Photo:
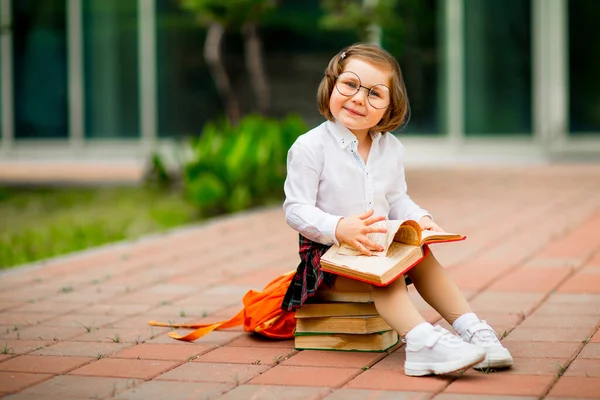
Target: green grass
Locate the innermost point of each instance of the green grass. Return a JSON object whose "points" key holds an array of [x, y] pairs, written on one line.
{"points": [[37, 223]]}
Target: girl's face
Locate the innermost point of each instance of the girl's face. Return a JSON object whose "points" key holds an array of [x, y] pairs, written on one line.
{"points": [[355, 112]]}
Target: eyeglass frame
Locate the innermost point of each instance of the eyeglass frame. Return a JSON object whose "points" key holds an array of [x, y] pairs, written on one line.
{"points": [[360, 86]]}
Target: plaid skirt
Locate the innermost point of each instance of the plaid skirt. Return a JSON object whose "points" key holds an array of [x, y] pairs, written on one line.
{"points": [[309, 275]]}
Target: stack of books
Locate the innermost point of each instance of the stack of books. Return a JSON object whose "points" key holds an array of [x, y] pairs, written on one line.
{"points": [[342, 321]]}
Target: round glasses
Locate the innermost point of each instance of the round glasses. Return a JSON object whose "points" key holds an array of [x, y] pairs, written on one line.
{"points": [[348, 84]]}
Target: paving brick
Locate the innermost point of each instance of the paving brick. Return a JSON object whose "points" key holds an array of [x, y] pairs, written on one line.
{"points": [[388, 379], [394, 361], [537, 366], [78, 387], [116, 335], [550, 335], [43, 364], [16, 346], [120, 288], [249, 340], [591, 350], [361, 394], [528, 349], [582, 283], [84, 322], [82, 349], [12, 381], [122, 368], [445, 396], [589, 309], [596, 337], [558, 321], [270, 392], [531, 280], [501, 384], [581, 367], [576, 388], [117, 309], [247, 355], [42, 333], [174, 390], [305, 376], [216, 338], [213, 372], [149, 351], [22, 319], [574, 298], [48, 307], [317, 358]]}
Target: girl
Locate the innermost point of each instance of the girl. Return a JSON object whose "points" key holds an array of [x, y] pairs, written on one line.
{"points": [[347, 174]]}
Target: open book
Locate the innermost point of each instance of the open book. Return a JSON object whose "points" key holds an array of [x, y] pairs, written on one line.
{"points": [[402, 249]]}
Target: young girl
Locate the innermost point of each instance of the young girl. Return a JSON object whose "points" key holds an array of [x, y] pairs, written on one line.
{"points": [[347, 174]]}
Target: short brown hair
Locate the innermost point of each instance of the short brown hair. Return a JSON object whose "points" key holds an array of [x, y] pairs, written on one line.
{"points": [[398, 109]]}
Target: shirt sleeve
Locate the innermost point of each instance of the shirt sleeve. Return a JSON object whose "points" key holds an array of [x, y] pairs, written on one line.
{"points": [[301, 187], [401, 205]]}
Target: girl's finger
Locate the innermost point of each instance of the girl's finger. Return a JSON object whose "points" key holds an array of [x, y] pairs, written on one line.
{"points": [[371, 246], [362, 248], [367, 214], [374, 229], [373, 220]]}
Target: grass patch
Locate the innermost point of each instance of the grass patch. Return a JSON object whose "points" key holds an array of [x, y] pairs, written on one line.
{"points": [[38, 223]]}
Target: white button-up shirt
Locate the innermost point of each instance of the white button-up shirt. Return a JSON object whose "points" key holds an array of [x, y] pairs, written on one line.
{"points": [[327, 180]]}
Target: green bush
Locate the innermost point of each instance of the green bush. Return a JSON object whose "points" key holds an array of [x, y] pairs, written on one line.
{"points": [[238, 167]]}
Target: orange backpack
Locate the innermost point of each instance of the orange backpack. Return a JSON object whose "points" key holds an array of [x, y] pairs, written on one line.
{"points": [[261, 314]]}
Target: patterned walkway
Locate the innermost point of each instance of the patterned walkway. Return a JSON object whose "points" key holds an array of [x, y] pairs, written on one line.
{"points": [[75, 327]]}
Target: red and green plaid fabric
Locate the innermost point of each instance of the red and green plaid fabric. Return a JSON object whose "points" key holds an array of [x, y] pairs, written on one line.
{"points": [[309, 275]]}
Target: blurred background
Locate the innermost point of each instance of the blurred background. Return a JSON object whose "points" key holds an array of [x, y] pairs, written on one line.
{"points": [[192, 104]]}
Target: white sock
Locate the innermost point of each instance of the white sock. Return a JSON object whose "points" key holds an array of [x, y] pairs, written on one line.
{"points": [[464, 322], [420, 331]]}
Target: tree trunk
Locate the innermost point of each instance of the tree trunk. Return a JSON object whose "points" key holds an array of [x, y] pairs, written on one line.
{"points": [[212, 55], [255, 66]]}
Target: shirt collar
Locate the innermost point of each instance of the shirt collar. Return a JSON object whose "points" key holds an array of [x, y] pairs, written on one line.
{"points": [[343, 135]]}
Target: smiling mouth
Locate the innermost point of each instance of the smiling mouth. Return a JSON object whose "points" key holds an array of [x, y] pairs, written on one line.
{"points": [[353, 112]]}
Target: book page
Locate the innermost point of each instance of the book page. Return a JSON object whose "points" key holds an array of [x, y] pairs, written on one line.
{"points": [[409, 233], [433, 236], [372, 265]]}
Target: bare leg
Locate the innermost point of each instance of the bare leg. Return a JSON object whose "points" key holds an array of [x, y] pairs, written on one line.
{"points": [[438, 289], [396, 307]]}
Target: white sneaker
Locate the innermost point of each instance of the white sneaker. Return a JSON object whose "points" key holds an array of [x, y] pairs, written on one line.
{"points": [[440, 352], [483, 335]]}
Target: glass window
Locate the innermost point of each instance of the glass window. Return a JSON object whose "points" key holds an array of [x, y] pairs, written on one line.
{"points": [[497, 67], [40, 69], [187, 97], [297, 50], [110, 46], [414, 43], [584, 66]]}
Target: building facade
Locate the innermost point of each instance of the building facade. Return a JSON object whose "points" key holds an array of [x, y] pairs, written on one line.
{"points": [[488, 79]]}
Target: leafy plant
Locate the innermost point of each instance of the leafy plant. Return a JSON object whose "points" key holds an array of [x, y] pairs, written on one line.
{"points": [[237, 167]]}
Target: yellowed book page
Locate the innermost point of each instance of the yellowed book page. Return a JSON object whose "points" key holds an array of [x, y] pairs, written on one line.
{"points": [[432, 236], [368, 264], [409, 233], [382, 239]]}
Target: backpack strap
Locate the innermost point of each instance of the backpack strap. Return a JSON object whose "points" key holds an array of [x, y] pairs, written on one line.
{"points": [[262, 313]]}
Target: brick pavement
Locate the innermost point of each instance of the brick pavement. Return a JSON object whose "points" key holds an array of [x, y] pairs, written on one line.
{"points": [[75, 327]]}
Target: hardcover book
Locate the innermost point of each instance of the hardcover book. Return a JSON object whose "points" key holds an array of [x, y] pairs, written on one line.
{"points": [[404, 245]]}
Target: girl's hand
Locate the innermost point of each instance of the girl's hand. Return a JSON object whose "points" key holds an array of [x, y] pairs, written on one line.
{"points": [[427, 224], [353, 231]]}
